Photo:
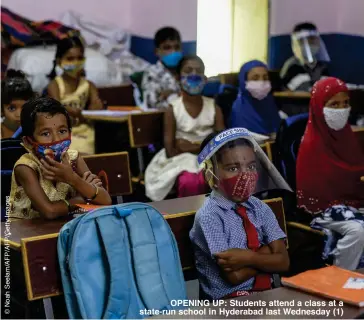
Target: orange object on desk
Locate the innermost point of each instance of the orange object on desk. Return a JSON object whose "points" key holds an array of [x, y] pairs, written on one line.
{"points": [[89, 207], [122, 108], [328, 282]]}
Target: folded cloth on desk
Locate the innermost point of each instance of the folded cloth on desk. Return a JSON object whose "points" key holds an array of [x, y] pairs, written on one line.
{"points": [[108, 113]]}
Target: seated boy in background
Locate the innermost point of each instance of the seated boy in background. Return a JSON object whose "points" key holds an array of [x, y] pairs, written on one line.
{"points": [[50, 179], [236, 237], [159, 84]]}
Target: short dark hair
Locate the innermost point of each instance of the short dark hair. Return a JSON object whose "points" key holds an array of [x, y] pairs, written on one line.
{"points": [[164, 34], [228, 145], [38, 105], [62, 47], [188, 58], [15, 87], [304, 26]]}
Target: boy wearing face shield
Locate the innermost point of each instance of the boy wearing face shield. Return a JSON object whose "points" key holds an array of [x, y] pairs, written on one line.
{"points": [[237, 241], [160, 86], [310, 60]]}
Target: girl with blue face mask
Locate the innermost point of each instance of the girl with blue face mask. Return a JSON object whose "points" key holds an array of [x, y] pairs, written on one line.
{"points": [[50, 179], [187, 122]]}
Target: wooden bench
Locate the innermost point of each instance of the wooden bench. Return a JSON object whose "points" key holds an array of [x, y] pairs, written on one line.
{"points": [[122, 95], [145, 129], [114, 171]]}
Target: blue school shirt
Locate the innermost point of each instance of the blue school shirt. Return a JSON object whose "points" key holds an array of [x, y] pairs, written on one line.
{"points": [[217, 228]]}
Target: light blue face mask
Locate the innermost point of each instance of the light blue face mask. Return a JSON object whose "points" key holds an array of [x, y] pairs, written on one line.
{"points": [[171, 60], [193, 84]]}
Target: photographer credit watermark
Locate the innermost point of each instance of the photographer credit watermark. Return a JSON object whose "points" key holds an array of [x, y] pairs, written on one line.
{"points": [[6, 260]]}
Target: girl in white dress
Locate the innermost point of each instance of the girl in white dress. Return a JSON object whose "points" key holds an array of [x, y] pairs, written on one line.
{"points": [[187, 122]]}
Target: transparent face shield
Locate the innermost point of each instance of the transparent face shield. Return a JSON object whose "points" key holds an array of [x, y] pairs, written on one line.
{"points": [[308, 47], [236, 166]]}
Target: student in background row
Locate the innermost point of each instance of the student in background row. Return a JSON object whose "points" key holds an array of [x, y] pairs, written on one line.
{"points": [[74, 91], [330, 166], [310, 60], [187, 122], [50, 179], [254, 108], [15, 91], [236, 237], [159, 84]]}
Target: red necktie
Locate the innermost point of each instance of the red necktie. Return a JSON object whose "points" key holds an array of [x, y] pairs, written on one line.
{"points": [[262, 281]]}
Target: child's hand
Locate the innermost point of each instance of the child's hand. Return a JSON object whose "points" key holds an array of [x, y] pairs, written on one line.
{"points": [[60, 172], [234, 259], [182, 144], [92, 178]]}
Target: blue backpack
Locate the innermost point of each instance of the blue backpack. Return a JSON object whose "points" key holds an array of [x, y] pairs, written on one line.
{"points": [[117, 261]]}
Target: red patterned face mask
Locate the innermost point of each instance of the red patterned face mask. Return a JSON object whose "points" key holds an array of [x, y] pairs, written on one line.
{"points": [[241, 186]]}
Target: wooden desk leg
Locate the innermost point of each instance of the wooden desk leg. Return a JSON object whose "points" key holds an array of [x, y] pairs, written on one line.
{"points": [[140, 160], [48, 308]]}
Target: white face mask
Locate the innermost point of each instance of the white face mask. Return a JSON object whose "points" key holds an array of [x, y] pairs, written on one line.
{"points": [[258, 89], [336, 119]]}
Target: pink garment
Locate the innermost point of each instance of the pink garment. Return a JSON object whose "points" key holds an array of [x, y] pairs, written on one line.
{"points": [[191, 184]]}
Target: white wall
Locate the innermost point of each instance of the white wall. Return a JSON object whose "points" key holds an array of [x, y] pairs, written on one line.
{"points": [[114, 11], [149, 15], [330, 16], [140, 17]]}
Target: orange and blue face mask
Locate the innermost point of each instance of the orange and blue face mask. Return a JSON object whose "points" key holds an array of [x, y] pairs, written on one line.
{"points": [[73, 68], [52, 150]]}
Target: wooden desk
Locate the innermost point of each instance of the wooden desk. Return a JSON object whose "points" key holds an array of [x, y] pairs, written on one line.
{"points": [[106, 119], [34, 242], [271, 296], [292, 94]]}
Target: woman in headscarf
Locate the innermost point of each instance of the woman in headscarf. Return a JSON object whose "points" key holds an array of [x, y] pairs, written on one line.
{"points": [[254, 108], [330, 170]]}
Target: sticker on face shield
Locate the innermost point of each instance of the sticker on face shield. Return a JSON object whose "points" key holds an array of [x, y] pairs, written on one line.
{"points": [[214, 145]]}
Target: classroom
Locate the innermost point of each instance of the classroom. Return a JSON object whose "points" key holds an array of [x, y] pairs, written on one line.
{"points": [[176, 159]]}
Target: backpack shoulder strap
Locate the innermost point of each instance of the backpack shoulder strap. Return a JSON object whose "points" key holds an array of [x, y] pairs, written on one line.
{"points": [[158, 271], [118, 258]]}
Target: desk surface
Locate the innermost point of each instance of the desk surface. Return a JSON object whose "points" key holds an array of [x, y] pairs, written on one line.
{"points": [[105, 119], [273, 296], [291, 94], [28, 228]]}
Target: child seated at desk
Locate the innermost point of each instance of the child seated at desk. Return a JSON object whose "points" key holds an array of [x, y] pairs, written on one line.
{"points": [[237, 241], [254, 108], [189, 120], [330, 166], [50, 179], [15, 91], [74, 91], [160, 85]]}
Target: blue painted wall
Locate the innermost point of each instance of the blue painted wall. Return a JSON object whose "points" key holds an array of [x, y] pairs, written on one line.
{"points": [[144, 48], [346, 53]]}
